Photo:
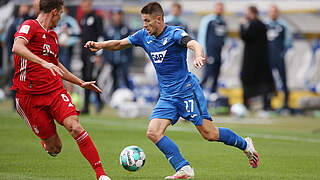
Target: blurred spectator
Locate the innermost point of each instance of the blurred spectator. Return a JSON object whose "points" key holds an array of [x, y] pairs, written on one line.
{"points": [[256, 75], [92, 30], [23, 14], [68, 32], [36, 8], [279, 38], [212, 35], [173, 19], [119, 60], [6, 10]]}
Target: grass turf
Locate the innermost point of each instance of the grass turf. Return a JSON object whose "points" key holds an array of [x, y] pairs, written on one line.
{"points": [[288, 147]]}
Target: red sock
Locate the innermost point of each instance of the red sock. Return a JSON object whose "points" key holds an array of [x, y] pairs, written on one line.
{"points": [[90, 152]]}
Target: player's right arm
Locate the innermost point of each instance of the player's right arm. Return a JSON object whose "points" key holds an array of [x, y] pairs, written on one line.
{"points": [[20, 48], [22, 38], [110, 45]]}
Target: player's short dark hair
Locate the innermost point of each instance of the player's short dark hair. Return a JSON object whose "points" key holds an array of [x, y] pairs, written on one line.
{"points": [[253, 9], [48, 5], [152, 8]]}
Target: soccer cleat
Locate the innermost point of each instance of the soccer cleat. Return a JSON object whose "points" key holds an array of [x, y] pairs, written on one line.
{"points": [[104, 177], [186, 172], [45, 148], [251, 153]]}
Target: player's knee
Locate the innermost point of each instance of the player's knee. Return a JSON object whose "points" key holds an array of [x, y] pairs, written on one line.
{"points": [[153, 135], [58, 149], [54, 149]]}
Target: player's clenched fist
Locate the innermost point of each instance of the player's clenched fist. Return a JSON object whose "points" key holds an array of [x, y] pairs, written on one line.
{"points": [[93, 46]]}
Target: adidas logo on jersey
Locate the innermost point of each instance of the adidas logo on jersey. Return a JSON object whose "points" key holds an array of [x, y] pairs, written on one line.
{"points": [[158, 56], [44, 36]]}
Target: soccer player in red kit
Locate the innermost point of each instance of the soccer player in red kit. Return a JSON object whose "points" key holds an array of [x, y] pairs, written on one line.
{"points": [[41, 96]]}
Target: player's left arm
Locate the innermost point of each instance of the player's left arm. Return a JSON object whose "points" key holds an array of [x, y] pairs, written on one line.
{"points": [[68, 76], [199, 59]]}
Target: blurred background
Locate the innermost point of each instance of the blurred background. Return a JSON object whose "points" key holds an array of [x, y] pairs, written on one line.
{"points": [[128, 79]]}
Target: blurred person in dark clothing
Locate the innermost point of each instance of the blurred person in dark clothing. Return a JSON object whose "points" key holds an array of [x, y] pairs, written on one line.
{"points": [[92, 30], [212, 35], [23, 14], [279, 38], [119, 60], [174, 18], [256, 76], [68, 32]]}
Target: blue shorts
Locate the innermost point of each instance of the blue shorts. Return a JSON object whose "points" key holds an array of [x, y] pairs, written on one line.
{"points": [[191, 106]]}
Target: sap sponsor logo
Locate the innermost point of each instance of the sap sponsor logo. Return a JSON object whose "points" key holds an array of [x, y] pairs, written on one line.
{"points": [[158, 56], [24, 29]]}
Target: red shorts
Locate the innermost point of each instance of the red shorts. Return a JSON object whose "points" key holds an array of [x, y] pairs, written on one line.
{"points": [[39, 111]]}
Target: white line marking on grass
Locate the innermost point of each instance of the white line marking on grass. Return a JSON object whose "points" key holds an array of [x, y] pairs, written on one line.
{"points": [[141, 125], [278, 137]]}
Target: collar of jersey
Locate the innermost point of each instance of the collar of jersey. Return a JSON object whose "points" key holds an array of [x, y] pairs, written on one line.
{"points": [[41, 25], [157, 37]]}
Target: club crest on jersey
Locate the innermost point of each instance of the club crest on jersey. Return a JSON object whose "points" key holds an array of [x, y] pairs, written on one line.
{"points": [[165, 41], [158, 56]]}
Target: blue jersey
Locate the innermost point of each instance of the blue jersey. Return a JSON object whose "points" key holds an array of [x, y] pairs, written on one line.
{"points": [[212, 33], [169, 59], [278, 36]]}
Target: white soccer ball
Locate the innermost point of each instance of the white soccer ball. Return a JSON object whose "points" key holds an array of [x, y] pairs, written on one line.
{"points": [[132, 158], [238, 110], [2, 95]]}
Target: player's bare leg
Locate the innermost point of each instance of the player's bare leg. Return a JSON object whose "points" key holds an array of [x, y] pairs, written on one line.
{"points": [[85, 144], [155, 133], [211, 133], [52, 145]]}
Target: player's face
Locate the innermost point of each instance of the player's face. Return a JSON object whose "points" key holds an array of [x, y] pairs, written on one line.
{"points": [[175, 11], [56, 17], [219, 9], [273, 12], [151, 23]]}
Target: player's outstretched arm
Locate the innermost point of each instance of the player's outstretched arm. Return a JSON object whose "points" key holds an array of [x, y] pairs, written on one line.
{"points": [[199, 59], [111, 45], [20, 48], [68, 76]]}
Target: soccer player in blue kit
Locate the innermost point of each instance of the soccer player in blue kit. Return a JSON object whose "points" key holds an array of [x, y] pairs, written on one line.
{"points": [[180, 93]]}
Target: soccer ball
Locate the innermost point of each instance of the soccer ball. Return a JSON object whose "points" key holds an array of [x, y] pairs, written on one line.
{"points": [[132, 158], [238, 110]]}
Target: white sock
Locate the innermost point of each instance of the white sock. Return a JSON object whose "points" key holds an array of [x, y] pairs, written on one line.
{"points": [[248, 146]]}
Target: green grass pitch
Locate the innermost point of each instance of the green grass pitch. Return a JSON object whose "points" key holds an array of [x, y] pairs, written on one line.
{"points": [[289, 148]]}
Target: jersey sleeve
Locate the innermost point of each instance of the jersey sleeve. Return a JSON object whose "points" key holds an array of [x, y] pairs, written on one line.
{"points": [[179, 34], [136, 38], [25, 31]]}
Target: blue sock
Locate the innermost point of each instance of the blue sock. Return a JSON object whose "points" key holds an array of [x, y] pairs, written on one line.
{"points": [[230, 138], [172, 153]]}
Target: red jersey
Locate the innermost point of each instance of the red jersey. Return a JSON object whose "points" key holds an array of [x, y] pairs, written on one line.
{"points": [[30, 77]]}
